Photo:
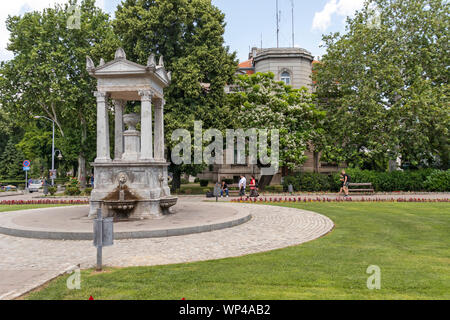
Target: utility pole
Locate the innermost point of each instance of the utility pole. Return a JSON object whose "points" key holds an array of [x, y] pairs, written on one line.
{"points": [[278, 27], [293, 32]]}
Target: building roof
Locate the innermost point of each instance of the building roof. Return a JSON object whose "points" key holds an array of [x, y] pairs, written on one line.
{"points": [[247, 67]]}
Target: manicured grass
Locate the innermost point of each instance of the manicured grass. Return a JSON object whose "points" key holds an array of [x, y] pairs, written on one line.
{"points": [[7, 208], [408, 241]]}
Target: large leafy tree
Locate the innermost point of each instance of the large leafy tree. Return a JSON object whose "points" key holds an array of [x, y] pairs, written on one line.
{"points": [[189, 34], [263, 103], [385, 85], [47, 76], [11, 161]]}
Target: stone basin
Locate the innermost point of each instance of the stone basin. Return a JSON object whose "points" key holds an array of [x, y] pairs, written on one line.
{"points": [[167, 202], [124, 205]]}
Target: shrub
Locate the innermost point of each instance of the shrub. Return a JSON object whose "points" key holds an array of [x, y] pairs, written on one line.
{"points": [[204, 183], [196, 180], [418, 180], [52, 190], [311, 182], [184, 181], [87, 191], [72, 191], [274, 189], [438, 181]]}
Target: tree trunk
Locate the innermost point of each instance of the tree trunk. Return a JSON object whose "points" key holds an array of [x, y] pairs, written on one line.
{"points": [[176, 181], [81, 158], [81, 171], [316, 159], [264, 181]]}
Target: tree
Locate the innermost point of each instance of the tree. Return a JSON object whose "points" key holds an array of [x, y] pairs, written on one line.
{"points": [[11, 161], [47, 75], [189, 34], [385, 85], [263, 103]]}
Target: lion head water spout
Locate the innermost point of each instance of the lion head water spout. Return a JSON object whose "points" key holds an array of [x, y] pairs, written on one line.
{"points": [[121, 202]]}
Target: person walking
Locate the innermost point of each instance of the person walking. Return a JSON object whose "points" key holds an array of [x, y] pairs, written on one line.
{"points": [[224, 189], [345, 179], [242, 185], [253, 187]]}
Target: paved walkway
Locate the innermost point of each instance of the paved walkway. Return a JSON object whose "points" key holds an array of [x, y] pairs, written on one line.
{"points": [[27, 263]]}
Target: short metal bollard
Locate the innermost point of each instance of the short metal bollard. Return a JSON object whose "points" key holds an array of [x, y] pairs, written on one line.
{"points": [[103, 235], [217, 191], [290, 189]]}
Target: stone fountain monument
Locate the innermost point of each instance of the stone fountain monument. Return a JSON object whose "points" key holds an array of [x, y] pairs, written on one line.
{"points": [[134, 184]]}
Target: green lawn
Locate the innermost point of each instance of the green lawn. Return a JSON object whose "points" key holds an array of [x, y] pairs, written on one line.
{"points": [[408, 241], [7, 208]]}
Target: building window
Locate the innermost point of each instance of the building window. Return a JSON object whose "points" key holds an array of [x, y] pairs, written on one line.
{"points": [[286, 78]]}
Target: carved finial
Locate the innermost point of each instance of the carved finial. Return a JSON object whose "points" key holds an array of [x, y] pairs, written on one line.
{"points": [[161, 61], [102, 62], [120, 54], [89, 64], [151, 62]]}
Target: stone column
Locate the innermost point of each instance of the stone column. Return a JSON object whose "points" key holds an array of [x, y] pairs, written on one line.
{"points": [[103, 154], [119, 128], [159, 129], [146, 125]]}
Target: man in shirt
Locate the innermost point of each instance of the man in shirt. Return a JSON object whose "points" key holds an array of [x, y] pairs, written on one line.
{"points": [[242, 185], [345, 183]]}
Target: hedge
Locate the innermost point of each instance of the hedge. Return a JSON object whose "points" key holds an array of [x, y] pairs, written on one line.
{"points": [[418, 180]]}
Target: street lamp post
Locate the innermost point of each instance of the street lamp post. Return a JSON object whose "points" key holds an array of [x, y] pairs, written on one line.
{"points": [[53, 145]]}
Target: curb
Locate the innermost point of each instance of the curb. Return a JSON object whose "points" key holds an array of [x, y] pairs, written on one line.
{"points": [[88, 236]]}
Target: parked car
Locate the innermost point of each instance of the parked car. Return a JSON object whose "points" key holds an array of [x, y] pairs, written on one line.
{"points": [[35, 185]]}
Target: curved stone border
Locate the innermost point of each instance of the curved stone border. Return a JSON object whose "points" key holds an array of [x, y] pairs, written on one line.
{"points": [[163, 233]]}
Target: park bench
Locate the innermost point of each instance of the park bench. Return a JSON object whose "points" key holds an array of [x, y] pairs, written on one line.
{"points": [[363, 187]]}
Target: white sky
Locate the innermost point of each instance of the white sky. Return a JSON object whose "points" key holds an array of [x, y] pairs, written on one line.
{"points": [[312, 19], [341, 8], [16, 7]]}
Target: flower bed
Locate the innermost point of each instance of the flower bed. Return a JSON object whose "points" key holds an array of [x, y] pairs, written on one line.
{"points": [[43, 201], [323, 199]]}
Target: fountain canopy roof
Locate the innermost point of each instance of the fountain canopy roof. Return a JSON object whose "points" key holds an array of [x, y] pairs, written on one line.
{"points": [[124, 79]]}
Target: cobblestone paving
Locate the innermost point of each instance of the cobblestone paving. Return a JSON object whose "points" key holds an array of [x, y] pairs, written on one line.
{"points": [[27, 263]]}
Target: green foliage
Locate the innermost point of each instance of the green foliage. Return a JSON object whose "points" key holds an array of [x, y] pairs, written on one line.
{"points": [[87, 191], [438, 181], [48, 77], [418, 180], [409, 241], [189, 34], [385, 87], [274, 189], [204, 183], [11, 161], [310, 182], [72, 191], [264, 103], [52, 190]]}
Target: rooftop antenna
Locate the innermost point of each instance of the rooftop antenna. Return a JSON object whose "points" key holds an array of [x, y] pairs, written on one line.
{"points": [[278, 26], [293, 32]]}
